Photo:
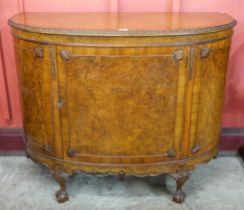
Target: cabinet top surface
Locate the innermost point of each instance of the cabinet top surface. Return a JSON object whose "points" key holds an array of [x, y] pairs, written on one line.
{"points": [[122, 24]]}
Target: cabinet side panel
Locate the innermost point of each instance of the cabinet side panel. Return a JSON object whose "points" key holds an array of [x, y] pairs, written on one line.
{"points": [[208, 95], [35, 82]]}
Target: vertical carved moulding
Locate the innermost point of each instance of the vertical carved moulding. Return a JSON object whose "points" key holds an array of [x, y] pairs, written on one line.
{"points": [[52, 52], [191, 63]]}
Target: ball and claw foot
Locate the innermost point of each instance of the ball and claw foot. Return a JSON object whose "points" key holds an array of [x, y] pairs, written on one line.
{"points": [[180, 178], [179, 196], [62, 196], [61, 178]]}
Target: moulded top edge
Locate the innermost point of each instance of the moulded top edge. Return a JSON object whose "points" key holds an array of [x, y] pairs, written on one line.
{"points": [[122, 24]]}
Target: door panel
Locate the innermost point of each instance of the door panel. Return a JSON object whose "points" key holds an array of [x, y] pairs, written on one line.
{"points": [[35, 78], [121, 105], [208, 95]]}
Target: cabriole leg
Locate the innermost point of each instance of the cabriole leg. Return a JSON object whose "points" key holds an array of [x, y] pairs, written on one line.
{"points": [[121, 176], [180, 178], [61, 194], [27, 154]]}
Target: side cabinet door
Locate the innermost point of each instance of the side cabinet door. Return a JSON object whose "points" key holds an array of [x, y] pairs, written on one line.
{"points": [[35, 83], [208, 95], [122, 105]]}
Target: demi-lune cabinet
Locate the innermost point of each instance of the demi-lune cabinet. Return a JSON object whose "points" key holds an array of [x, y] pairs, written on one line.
{"points": [[122, 93]]}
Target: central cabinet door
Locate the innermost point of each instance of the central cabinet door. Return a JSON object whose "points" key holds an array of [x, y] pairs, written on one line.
{"points": [[122, 105]]}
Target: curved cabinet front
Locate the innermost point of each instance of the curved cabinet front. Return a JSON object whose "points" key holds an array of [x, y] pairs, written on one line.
{"points": [[141, 105], [121, 106]]}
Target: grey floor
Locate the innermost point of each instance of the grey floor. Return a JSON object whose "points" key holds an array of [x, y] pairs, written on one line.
{"points": [[218, 185]]}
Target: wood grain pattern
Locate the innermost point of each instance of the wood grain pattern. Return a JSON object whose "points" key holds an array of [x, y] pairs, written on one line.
{"points": [[141, 105], [126, 125], [121, 23], [36, 96], [208, 95]]}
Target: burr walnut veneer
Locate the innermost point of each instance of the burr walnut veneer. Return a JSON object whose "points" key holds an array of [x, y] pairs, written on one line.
{"points": [[137, 94]]}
